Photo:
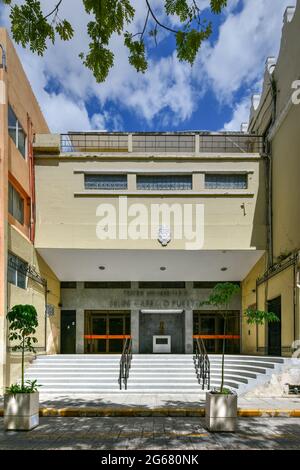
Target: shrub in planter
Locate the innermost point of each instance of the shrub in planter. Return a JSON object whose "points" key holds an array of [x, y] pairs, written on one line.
{"points": [[21, 400], [221, 404]]}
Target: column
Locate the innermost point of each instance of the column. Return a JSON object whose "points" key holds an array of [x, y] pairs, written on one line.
{"points": [[188, 331], [135, 330], [79, 331]]}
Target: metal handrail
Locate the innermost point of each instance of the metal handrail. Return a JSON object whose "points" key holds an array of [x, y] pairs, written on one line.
{"points": [[202, 363], [125, 363]]}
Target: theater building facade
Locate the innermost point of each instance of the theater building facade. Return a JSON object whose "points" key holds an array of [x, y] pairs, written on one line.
{"points": [[123, 235]]}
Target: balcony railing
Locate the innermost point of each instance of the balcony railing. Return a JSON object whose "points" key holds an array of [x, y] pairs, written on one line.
{"points": [[201, 142]]}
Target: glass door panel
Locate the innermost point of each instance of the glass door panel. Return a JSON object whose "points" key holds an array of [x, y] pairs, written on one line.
{"points": [[116, 327]]}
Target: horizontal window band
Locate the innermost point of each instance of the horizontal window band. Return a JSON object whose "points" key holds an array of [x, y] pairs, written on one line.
{"points": [[107, 336], [216, 336], [158, 172], [165, 193]]}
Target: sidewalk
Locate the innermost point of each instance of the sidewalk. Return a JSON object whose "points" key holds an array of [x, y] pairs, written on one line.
{"points": [[139, 405]]}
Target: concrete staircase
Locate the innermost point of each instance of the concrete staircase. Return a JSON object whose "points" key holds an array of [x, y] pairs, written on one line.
{"points": [[155, 373]]}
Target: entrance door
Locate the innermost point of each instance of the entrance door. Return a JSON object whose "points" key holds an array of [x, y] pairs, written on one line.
{"points": [[106, 324], [211, 323], [274, 328], [68, 332]]}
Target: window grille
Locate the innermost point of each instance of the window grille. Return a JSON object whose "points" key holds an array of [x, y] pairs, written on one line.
{"points": [[226, 181], [105, 181], [164, 182]]}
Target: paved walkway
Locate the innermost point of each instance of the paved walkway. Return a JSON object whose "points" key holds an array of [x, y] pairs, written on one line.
{"points": [[128, 404], [165, 433]]}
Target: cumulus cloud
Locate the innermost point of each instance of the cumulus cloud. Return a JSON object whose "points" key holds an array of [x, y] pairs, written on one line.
{"points": [[170, 91]]}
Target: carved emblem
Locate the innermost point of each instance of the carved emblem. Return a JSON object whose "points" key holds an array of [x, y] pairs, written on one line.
{"points": [[164, 235]]}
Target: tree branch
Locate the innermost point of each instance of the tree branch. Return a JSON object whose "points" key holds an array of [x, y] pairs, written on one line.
{"points": [[157, 21], [55, 9]]}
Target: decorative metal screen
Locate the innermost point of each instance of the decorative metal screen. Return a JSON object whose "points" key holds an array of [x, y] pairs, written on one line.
{"points": [[226, 181], [105, 181], [164, 182]]}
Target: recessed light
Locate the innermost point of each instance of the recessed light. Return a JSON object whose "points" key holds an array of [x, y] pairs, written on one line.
{"points": [[162, 268], [102, 268], [224, 268]]}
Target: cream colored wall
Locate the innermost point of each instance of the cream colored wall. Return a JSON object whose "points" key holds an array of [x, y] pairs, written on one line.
{"points": [[286, 187], [66, 213], [279, 285], [249, 299], [48, 330]]}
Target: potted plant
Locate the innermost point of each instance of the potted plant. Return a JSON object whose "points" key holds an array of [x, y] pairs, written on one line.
{"points": [[221, 404], [21, 400]]}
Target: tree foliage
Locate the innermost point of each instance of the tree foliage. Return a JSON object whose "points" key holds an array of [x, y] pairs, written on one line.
{"points": [[23, 321], [32, 27], [220, 298]]}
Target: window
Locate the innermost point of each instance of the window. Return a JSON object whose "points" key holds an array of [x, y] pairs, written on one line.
{"points": [[107, 285], [105, 181], [209, 285], [17, 271], [164, 182], [226, 181], [16, 132], [15, 204], [68, 285], [161, 285]]}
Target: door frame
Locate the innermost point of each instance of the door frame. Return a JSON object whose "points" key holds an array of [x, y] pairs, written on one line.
{"points": [[90, 337], [65, 311], [280, 325]]}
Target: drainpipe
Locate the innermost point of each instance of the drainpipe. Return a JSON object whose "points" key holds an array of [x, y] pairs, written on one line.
{"points": [[268, 146], [31, 178]]}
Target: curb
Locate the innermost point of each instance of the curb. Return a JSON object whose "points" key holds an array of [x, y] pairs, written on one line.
{"points": [[157, 412]]}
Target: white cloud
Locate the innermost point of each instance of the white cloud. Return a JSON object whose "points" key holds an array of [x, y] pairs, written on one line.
{"points": [[240, 115], [245, 40], [170, 91]]}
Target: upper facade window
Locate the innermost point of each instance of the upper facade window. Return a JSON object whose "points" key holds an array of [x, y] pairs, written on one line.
{"points": [[105, 181], [164, 182], [226, 181], [16, 132], [16, 271], [15, 204]]}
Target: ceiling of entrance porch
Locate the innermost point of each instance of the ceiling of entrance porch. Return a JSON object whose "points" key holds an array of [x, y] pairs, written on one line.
{"points": [[137, 265]]}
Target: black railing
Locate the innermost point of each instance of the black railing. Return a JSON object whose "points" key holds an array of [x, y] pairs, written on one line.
{"points": [[202, 364], [125, 363], [160, 142]]}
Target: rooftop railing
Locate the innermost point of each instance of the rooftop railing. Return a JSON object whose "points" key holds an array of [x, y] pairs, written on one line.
{"points": [[201, 142]]}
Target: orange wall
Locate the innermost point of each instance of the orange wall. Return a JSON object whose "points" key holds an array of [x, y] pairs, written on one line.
{"points": [[16, 90]]}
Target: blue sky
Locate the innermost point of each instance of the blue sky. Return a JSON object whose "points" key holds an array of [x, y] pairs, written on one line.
{"points": [[214, 94]]}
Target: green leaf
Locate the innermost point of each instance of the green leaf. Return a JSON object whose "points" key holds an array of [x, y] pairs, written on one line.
{"points": [[137, 53], [188, 43], [65, 30], [218, 5], [259, 317]]}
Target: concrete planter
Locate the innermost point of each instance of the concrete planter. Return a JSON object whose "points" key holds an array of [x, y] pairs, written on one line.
{"points": [[21, 411], [221, 412]]}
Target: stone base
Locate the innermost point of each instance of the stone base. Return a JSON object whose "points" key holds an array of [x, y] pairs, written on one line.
{"points": [[21, 423], [221, 424], [21, 411], [221, 412]]}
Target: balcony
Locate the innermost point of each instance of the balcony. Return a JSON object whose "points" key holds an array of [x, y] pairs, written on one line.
{"points": [[151, 142]]}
